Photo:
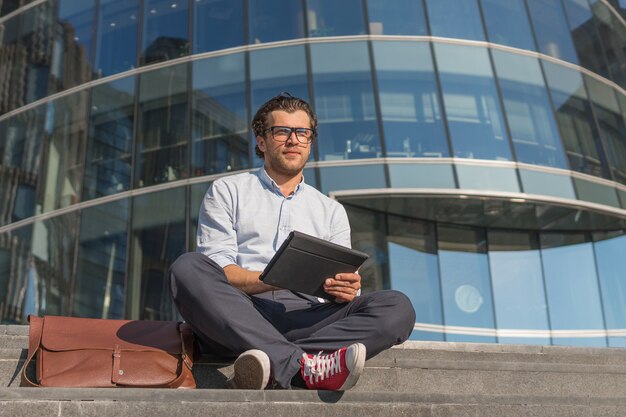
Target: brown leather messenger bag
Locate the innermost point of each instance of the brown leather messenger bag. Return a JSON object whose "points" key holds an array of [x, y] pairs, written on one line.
{"points": [[78, 352]]}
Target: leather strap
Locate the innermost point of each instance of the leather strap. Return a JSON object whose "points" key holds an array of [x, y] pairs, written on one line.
{"points": [[34, 342], [116, 372]]}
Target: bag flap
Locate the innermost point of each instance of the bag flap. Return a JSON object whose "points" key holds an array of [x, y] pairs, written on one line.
{"points": [[73, 333]]}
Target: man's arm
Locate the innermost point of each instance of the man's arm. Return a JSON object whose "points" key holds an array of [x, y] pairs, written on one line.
{"points": [[246, 281]]}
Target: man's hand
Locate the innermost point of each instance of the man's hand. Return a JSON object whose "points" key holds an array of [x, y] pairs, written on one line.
{"points": [[343, 287], [246, 281]]}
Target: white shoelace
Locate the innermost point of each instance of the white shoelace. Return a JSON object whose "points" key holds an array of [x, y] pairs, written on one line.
{"points": [[321, 366]]}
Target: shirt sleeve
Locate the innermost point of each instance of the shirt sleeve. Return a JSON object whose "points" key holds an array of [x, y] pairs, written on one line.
{"points": [[340, 227], [216, 237]]}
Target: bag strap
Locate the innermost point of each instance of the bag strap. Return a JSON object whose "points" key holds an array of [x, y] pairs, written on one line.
{"points": [[34, 341]]}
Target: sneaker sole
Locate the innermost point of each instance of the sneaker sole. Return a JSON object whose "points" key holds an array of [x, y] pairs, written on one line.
{"points": [[357, 370], [252, 371]]}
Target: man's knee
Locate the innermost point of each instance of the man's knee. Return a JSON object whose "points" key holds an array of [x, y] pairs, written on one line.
{"points": [[399, 314], [189, 268]]}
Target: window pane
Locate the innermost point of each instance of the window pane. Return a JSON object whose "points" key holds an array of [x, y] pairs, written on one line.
{"points": [[455, 19], [165, 30], [471, 102], [613, 36], [352, 177], [116, 47], [474, 177], [219, 115], [409, 101], [517, 279], [421, 176], [413, 270], [537, 182], [507, 23], [611, 124], [109, 148], [158, 238], [275, 20], [528, 110], [400, 17], [574, 117], [71, 61], [217, 24], [63, 161], [465, 281], [20, 152], [101, 261], [571, 286], [551, 29], [596, 193], [344, 101], [16, 278], [162, 136], [585, 35], [335, 18]]}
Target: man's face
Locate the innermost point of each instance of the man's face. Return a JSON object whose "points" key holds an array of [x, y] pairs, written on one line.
{"points": [[285, 158]]}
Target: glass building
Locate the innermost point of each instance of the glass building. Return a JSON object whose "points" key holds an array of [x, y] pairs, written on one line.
{"points": [[479, 147]]}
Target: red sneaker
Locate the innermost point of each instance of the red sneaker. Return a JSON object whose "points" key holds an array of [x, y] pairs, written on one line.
{"points": [[337, 371]]}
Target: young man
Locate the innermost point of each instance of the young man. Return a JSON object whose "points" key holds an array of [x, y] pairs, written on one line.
{"points": [[293, 338]]}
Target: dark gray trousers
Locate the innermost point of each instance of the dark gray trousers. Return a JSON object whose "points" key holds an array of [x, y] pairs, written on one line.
{"points": [[282, 324]]}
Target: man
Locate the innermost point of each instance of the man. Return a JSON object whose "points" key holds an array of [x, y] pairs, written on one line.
{"points": [[295, 339]]}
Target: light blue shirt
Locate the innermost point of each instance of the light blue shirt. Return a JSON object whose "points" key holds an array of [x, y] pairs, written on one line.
{"points": [[244, 218]]}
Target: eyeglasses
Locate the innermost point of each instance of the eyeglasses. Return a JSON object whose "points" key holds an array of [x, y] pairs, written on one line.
{"points": [[283, 133]]}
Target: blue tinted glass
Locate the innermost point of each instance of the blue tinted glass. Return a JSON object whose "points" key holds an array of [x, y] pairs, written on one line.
{"points": [[577, 127], [109, 148], [344, 101], [16, 267], [551, 29], [352, 178], [517, 280], [571, 287], [72, 57], [455, 19], [421, 176], [101, 261], [219, 127], [529, 113], [116, 49], [471, 102], [585, 35], [465, 281], [596, 193], [507, 23], [611, 264], [217, 24], [165, 30], [400, 17], [335, 18], [275, 20], [476, 177], [537, 182], [162, 137], [613, 37], [409, 101]]}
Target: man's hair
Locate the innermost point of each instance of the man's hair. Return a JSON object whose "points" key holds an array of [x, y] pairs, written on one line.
{"points": [[285, 102]]}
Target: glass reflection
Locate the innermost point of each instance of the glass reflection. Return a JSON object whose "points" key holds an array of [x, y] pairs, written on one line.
{"points": [[574, 117], [275, 20], [344, 101], [507, 23], [116, 49], [409, 101], [551, 29], [66, 127], [517, 281], [165, 30], [333, 18], [15, 274], [217, 24], [13, 95], [400, 17], [471, 102], [219, 130], [101, 261], [571, 286], [162, 137], [157, 239], [109, 148], [528, 110], [613, 35], [455, 19]]}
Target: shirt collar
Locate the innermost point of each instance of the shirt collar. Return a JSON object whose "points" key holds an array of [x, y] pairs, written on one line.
{"points": [[271, 184]]}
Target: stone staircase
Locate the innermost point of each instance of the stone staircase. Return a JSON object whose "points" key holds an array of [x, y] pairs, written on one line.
{"points": [[425, 379]]}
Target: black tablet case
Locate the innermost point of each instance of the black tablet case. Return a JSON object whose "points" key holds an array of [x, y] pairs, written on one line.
{"points": [[303, 262]]}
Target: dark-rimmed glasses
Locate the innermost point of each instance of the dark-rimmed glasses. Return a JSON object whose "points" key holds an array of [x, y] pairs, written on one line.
{"points": [[283, 133]]}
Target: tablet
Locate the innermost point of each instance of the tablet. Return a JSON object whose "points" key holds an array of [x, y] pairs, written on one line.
{"points": [[303, 262]]}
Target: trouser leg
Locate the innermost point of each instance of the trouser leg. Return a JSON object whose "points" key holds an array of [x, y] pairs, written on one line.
{"points": [[224, 316]]}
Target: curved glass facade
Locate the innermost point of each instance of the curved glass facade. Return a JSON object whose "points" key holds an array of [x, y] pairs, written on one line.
{"points": [[499, 124]]}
